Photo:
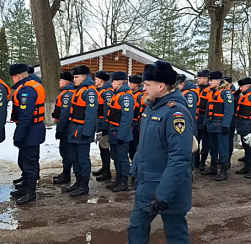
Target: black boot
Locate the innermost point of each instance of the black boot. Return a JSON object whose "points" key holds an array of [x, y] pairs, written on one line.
{"points": [[114, 183], [75, 185], [19, 193], [248, 176], [29, 196], [82, 189], [20, 185], [202, 166], [223, 174], [98, 173], [106, 175], [63, 179], [18, 180], [58, 176], [242, 171], [122, 185], [210, 171]]}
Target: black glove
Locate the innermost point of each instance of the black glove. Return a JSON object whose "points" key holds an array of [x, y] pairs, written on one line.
{"points": [[104, 132], [238, 92], [85, 137], [58, 135], [120, 142], [225, 130], [17, 144], [158, 206]]}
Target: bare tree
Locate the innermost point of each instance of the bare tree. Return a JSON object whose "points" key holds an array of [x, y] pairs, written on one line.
{"points": [[42, 15]]}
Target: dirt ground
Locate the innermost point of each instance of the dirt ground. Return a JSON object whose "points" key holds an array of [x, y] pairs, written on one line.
{"points": [[221, 211]]}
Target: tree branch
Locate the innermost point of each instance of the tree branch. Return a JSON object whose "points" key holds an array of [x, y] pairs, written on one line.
{"points": [[55, 7]]}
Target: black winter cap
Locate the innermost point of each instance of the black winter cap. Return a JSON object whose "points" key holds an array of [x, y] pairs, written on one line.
{"points": [[203, 73], [244, 81], [30, 69], [136, 79], [119, 75], [215, 75], [67, 75], [102, 75], [228, 79], [81, 70], [15, 69], [181, 78]]}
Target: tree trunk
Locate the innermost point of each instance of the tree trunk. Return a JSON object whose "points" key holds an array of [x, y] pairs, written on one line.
{"points": [[217, 14], [48, 53]]}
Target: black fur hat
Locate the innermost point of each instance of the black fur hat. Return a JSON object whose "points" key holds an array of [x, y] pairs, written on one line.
{"points": [[81, 70], [137, 79], [181, 78], [67, 75], [244, 81], [102, 75], [215, 75], [160, 71], [15, 69]]}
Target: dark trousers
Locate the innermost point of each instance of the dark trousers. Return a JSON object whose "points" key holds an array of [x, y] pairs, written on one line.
{"points": [[134, 144], [119, 154], [106, 158], [202, 153], [175, 227], [28, 161], [231, 141], [219, 146], [64, 153], [80, 156], [247, 150]]}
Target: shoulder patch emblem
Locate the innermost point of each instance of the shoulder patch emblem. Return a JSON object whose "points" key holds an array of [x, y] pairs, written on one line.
{"points": [[178, 115], [171, 104], [179, 125], [190, 100], [23, 100], [126, 103]]}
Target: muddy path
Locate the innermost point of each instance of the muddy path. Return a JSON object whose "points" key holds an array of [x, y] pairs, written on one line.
{"points": [[221, 212]]}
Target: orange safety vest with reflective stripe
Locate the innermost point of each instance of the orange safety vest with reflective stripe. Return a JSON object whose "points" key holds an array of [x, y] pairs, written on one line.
{"points": [[244, 107], [38, 114], [137, 105], [143, 105], [78, 105], [114, 112], [56, 112], [7, 88], [204, 96], [197, 92], [216, 104], [101, 102]]}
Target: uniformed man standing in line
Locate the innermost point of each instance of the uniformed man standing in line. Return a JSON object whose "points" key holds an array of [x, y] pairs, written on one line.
{"points": [[201, 154], [219, 114], [28, 114], [83, 115], [135, 84], [61, 115], [32, 75], [119, 116], [4, 98], [243, 113], [105, 90], [162, 164]]}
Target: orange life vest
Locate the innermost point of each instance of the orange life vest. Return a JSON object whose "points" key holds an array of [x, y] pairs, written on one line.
{"points": [[101, 102], [197, 92], [216, 104], [7, 88], [143, 105], [38, 114], [78, 106], [114, 111], [244, 107], [137, 105], [204, 96], [56, 113]]}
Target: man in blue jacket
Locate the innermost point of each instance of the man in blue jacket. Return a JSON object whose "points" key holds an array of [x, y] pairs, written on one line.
{"points": [[32, 75], [219, 114], [162, 162], [4, 97], [119, 116], [61, 115], [105, 93], [83, 116], [28, 114]]}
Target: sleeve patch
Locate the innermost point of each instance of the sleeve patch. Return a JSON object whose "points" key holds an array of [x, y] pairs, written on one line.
{"points": [[126, 103], [179, 125], [65, 102], [108, 98], [24, 95], [178, 115], [190, 100], [171, 104], [154, 118]]}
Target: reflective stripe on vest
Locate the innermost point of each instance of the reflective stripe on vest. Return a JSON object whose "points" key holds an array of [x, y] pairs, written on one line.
{"points": [[101, 102], [38, 114], [197, 92], [216, 104], [137, 105], [114, 111], [56, 113], [78, 106], [244, 107], [7, 88], [204, 96], [143, 105]]}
